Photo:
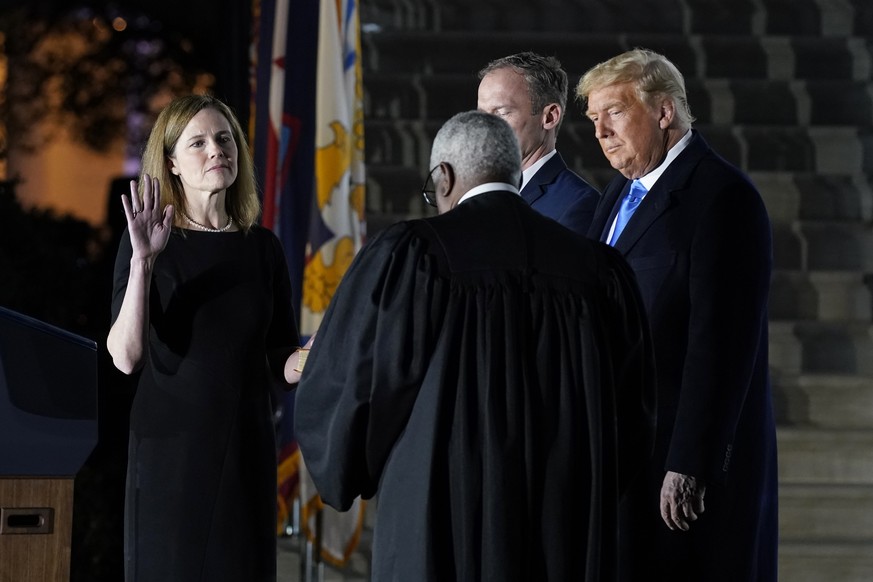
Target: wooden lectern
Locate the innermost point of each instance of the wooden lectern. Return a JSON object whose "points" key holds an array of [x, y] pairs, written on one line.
{"points": [[48, 428]]}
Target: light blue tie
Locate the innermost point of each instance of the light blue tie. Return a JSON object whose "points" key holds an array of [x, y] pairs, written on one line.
{"points": [[628, 206]]}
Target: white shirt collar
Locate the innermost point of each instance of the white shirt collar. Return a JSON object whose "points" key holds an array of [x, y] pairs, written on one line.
{"points": [[649, 179], [488, 187], [529, 173]]}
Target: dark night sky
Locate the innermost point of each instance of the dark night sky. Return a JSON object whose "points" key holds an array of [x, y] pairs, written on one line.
{"points": [[220, 31]]}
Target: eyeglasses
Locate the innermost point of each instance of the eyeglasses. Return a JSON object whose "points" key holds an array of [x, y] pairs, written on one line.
{"points": [[428, 191]]}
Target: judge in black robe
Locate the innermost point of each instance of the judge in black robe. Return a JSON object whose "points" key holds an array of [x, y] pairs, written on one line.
{"points": [[489, 373]]}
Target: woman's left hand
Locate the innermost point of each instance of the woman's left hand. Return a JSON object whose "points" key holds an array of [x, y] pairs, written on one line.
{"points": [[294, 364]]}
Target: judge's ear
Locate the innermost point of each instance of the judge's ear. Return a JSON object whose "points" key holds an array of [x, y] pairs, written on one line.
{"points": [[445, 185], [447, 180]]}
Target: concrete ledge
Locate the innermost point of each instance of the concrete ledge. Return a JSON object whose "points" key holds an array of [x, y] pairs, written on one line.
{"points": [[824, 401], [815, 347], [826, 514], [813, 562], [831, 296], [825, 457], [838, 245]]}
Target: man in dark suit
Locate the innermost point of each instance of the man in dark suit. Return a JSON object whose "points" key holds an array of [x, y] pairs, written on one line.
{"points": [[529, 91], [489, 373], [699, 242]]}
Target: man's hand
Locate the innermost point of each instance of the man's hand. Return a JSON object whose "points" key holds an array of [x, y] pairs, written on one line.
{"points": [[681, 500]]}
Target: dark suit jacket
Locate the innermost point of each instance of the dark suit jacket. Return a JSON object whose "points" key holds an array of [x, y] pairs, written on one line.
{"points": [[559, 193], [700, 245]]}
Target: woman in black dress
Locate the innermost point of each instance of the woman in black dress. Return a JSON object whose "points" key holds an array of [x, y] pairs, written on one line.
{"points": [[202, 310]]}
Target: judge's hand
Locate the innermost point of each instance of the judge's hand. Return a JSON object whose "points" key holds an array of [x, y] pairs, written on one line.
{"points": [[148, 225], [681, 500]]}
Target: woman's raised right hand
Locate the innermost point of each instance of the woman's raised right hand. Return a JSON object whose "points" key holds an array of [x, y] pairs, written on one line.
{"points": [[149, 226]]}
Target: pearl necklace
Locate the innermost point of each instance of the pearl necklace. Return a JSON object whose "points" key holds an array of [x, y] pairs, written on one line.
{"points": [[205, 228]]}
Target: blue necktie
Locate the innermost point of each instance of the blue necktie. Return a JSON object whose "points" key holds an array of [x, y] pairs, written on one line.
{"points": [[628, 206]]}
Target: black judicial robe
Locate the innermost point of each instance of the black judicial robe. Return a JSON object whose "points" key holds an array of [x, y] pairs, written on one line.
{"points": [[489, 374]]}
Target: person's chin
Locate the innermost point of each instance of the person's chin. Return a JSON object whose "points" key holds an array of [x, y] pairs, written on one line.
{"points": [[618, 165], [220, 183]]}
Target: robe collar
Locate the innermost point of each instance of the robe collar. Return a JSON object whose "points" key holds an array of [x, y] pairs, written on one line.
{"points": [[488, 187]]}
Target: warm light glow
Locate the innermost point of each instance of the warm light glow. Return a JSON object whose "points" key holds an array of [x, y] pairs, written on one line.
{"points": [[119, 24], [100, 26]]}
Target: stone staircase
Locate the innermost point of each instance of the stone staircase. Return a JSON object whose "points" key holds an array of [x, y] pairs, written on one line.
{"points": [[783, 89]]}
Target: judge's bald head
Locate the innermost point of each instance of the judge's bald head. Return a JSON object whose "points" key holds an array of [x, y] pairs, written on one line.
{"points": [[472, 148]]}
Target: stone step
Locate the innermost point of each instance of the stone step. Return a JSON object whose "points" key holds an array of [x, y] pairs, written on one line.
{"points": [[816, 17], [584, 17], [820, 296], [787, 150], [826, 150], [834, 196], [808, 347], [396, 190], [781, 102], [438, 96], [420, 96], [824, 401], [396, 143], [398, 152], [821, 562], [841, 150], [697, 56], [800, 202], [775, 17], [825, 456], [826, 514], [827, 245], [831, 150], [793, 196], [837, 246]]}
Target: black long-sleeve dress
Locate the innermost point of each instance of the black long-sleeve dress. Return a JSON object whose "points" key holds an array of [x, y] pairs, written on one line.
{"points": [[201, 484]]}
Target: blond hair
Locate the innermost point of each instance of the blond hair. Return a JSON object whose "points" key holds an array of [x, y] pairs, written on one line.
{"points": [[652, 74], [241, 200]]}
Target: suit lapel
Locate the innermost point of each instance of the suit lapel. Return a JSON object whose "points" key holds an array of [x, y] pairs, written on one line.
{"points": [[540, 181], [665, 193], [606, 210], [616, 195], [656, 201]]}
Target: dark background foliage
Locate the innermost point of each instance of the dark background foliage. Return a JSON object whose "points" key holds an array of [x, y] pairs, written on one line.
{"points": [[110, 60]]}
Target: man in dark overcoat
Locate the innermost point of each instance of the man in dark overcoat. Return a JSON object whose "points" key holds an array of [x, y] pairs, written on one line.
{"points": [[696, 233]]}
